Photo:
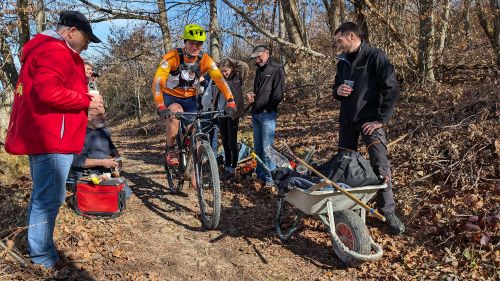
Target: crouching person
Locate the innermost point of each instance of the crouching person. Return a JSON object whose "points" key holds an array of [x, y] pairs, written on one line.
{"points": [[99, 155]]}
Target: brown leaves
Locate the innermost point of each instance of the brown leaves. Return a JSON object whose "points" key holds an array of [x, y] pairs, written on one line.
{"points": [[474, 201]]}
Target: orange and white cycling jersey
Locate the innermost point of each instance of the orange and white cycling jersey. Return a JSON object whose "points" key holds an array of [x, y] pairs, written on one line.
{"points": [[171, 62]]}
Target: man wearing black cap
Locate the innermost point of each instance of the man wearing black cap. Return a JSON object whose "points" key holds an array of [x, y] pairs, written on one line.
{"points": [[269, 85], [48, 122]]}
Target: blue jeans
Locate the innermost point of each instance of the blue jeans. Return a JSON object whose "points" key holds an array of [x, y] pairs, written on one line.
{"points": [[264, 126], [49, 173]]}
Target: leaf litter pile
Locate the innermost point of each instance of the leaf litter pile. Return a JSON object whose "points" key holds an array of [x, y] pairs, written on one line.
{"points": [[445, 155]]}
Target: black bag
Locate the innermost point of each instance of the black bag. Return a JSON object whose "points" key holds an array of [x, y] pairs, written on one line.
{"points": [[351, 168]]}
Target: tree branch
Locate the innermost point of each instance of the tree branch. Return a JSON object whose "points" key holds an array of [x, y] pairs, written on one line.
{"points": [[270, 35], [117, 14], [236, 35], [394, 32]]}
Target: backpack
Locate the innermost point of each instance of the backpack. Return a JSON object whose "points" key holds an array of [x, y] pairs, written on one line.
{"points": [[186, 75], [351, 168]]}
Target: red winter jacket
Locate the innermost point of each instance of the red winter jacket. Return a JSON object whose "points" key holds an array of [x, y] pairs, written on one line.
{"points": [[49, 114]]}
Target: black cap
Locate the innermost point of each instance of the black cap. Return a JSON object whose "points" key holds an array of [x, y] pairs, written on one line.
{"points": [[79, 21], [257, 50]]}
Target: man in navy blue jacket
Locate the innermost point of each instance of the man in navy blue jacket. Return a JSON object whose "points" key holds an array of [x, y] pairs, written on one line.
{"points": [[367, 104]]}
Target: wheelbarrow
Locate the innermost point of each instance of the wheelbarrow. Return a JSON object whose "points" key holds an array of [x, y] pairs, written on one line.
{"points": [[345, 220], [343, 211]]}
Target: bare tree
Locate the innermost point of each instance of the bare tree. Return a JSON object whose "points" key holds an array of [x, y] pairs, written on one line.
{"points": [[163, 23], [8, 76], [41, 21], [333, 8], [467, 22], [270, 35], [159, 17], [491, 29], [215, 46], [361, 19], [395, 33], [281, 33], [426, 39], [444, 29], [23, 24], [293, 22]]}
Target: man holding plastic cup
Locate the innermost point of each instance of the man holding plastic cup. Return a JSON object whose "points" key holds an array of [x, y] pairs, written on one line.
{"points": [[366, 85], [48, 121]]}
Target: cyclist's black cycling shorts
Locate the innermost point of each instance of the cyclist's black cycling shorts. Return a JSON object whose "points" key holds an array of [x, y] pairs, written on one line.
{"points": [[187, 104]]}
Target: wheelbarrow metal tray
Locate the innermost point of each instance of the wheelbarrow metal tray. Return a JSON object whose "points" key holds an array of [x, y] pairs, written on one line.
{"points": [[314, 202]]}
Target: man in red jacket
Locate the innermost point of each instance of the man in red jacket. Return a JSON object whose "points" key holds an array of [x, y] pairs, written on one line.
{"points": [[48, 121]]}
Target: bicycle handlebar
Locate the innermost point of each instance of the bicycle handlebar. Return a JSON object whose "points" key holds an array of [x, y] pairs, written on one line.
{"points": [[198, 114]]}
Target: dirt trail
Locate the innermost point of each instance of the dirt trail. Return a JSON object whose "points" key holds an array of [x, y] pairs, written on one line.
{"points": [[163, 239]]}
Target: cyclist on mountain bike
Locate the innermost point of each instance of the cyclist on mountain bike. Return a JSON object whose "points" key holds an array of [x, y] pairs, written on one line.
{"points": [[177, 80]]}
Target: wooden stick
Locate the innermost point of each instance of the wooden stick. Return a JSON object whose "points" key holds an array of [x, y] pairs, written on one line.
{"points": [[13, 254], [397, 140], [342, 190]]}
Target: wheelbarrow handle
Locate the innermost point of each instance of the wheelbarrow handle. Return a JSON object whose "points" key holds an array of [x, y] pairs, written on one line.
{"points": [[339, 188]]}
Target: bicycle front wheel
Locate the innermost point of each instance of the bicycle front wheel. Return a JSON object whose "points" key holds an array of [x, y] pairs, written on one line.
{"points": [[208, 185]]}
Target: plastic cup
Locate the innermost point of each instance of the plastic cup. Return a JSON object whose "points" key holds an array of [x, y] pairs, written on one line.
{"points": [[349, 83]]}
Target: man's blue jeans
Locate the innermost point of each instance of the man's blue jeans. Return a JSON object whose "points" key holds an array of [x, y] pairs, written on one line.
{"points": [[49, 173], [264, 126]]}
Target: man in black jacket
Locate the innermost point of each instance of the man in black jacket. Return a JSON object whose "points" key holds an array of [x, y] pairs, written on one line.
{"points": [[269, 85], [367, 104]]}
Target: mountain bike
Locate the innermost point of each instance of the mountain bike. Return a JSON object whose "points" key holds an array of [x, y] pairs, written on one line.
{"points": [[197, 164]]}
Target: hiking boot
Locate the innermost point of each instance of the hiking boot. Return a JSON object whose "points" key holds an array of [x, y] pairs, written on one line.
{"points": [[228, 172], [171, 158], [395, 225]]}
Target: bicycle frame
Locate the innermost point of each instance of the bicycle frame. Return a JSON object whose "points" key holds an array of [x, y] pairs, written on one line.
{"points": [[194, 134]]}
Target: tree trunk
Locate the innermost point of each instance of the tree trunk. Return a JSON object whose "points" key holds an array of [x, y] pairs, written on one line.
{"points": [[41, 22], [467, 23], [215, 47], [163, 22], [294, 25], [281, 33], [343, 15], [361, 19], [305, 36], [23, 23], [444, 29], [333, 13], [301, 49], [491, 30], [494, 6], [8, 76], [426, 40]]}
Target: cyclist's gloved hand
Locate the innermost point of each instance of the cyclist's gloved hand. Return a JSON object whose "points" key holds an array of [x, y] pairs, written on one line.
{"points": [[230, 107], [163, 111]]}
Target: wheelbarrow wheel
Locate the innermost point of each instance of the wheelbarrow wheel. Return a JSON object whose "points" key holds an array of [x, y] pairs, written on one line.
{"points": [[353, 233]]}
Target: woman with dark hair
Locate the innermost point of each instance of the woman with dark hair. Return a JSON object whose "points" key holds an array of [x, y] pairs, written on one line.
{"points": [[235, 73]]}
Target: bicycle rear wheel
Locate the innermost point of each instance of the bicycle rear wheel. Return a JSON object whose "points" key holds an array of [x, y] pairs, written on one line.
{"points": [[208, 185]]}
